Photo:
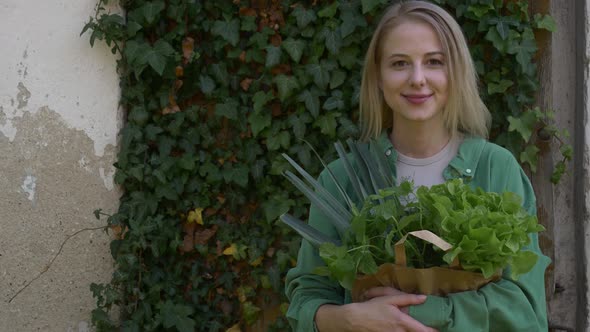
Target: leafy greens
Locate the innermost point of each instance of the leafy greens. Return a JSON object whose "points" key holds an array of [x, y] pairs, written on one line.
{"points": [[488, 231]]}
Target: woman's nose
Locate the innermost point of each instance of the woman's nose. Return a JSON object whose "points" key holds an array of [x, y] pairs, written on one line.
{"points": [[417, 76]]}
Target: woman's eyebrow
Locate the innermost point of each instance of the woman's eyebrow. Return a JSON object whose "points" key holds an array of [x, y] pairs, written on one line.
{"points": [[406, 55]]}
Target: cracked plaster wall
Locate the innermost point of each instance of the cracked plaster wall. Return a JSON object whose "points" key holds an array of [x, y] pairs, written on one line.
{"points": [[58, 132]]}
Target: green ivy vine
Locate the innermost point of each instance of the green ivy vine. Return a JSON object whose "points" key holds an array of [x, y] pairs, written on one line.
{"points": [[214, 92]]}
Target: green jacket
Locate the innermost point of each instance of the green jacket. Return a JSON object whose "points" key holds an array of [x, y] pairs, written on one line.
{"points": [[501, 306]]}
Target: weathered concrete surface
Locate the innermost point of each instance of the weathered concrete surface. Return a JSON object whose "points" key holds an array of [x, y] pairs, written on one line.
{"points": [[557, 64], [45, 62], [58, 132], [583, 162], [51, 184], [559, 95]]}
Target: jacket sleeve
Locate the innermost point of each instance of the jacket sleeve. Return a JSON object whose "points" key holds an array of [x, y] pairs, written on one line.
{"points": [[506, 305], [307, 291]]}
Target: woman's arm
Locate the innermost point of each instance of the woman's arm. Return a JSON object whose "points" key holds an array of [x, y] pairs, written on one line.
{"points": [[318, 300], [505, 305], [384, 313], [307, 291]]}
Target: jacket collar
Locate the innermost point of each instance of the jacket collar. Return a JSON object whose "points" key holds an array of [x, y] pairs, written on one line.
{"points": [[464, 165]]}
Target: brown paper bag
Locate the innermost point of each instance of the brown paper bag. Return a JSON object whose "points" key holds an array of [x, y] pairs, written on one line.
{"points": [[430, 281]]}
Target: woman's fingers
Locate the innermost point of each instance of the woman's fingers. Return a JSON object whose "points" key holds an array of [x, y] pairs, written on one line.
{"points": [[380, 291], [386, 313], [404, 300]]}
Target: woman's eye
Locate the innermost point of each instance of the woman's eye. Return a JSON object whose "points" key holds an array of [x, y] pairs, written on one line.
{"points": [[399, 64], [435, 62]]}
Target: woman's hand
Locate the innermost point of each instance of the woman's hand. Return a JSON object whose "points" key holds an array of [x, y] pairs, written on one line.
{"points": [[383, 310], [382, 291]]}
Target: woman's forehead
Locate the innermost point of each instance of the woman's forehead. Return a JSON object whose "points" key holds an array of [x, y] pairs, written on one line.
{"points": [[411, 37]]}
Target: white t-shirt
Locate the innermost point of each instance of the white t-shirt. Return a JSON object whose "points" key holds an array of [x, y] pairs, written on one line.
{"points": [[427, 171]]}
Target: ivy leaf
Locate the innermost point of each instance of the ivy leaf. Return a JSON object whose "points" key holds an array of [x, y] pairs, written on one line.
{"points": [[333, 39], [298, 126], [369, 5], [524, 124], [329, 11], [304, 16], [228, 30], [139, 115], [273, 56], [133, 50], [236, 174], [282, 139], [320, 74], [479, 10], [219, 72], [350, 21], [133, 27], [257, 169], [294, 48], [156, 57], [338, 77], [502, 24], [545, 22], [206, 84], [524, 50], [250, 312], [347, 128], [248, 23], [187, 162], [567, 152], [211, 172], [151, 10], [327, 124], [228, 109], [259, 122], [260, 99], [176, 315], [558, 171], [277, 205], [499, 87], [334, 102], [312, 102], [500, 44], [348, 57], [286, 86], [530, 155]]}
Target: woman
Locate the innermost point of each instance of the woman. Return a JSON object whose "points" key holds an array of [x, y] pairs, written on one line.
{"points": [[419, 99]]}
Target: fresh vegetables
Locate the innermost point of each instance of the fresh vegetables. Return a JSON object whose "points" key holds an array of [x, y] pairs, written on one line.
{"points": [[487, 231]]}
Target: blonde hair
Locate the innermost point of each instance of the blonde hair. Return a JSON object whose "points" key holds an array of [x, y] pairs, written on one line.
{"points": [[464, 111]]}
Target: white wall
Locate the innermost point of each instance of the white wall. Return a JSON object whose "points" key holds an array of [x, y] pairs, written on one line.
{"points": [[58, 132]]}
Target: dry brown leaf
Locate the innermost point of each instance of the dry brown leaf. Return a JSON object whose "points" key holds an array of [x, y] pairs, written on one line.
{"points": [[188, 47], [235, 328], [202, 237], [179, 70], [245, 83]]}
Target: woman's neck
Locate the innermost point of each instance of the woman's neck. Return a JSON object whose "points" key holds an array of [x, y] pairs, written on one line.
{"points": [[420, 141]]}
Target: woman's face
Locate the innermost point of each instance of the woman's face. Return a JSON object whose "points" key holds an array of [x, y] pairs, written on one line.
{"points": [[413, 74]]}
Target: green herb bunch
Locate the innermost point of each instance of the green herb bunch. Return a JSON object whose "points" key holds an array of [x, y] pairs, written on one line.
{"points": [[487, 230]]}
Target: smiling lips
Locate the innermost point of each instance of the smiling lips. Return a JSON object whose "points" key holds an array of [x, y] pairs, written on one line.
{"points": [[417, 98]]}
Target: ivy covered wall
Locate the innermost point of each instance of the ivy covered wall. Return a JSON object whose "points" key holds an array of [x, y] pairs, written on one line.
{"points": [[215, 92]]}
